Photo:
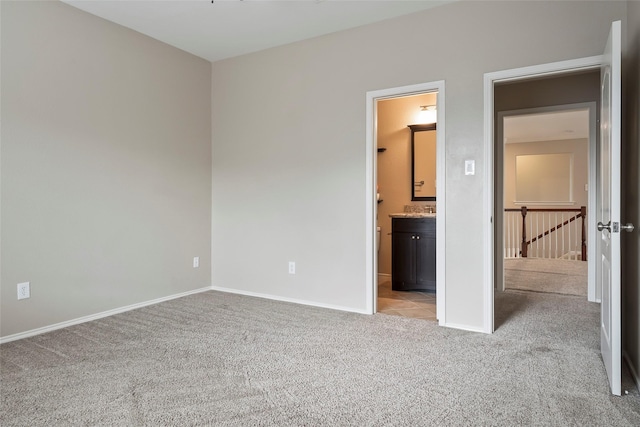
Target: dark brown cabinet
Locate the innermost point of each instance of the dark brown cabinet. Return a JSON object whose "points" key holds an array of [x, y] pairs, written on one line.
{"points": [[413, 254]]}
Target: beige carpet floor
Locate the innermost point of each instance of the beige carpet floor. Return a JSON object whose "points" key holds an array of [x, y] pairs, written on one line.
{"points": [[216, 359], [546, 275]]}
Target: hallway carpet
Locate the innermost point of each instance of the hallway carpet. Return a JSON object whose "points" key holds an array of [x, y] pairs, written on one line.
{"points": [[546, 275], [228, 360]]}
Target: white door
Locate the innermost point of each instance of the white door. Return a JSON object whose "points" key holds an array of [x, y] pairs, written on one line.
{"points": [[608, 251]]}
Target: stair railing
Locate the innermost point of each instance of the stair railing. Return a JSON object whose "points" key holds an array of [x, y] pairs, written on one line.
{"points": [[555, 233]]}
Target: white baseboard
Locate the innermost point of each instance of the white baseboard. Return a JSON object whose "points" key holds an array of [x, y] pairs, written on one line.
{"points": [[96, 316], [286, 299], [462, 327], [632, 369]]}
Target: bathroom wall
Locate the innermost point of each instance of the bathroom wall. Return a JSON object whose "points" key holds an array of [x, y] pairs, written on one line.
{"points": [[394, 164]]}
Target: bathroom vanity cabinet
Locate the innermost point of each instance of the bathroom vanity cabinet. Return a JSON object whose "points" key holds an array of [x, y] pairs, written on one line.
{"points": [[413, 254]]}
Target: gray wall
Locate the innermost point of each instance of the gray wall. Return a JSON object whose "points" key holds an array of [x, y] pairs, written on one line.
{"points": [[573, 88], [289, 154], [106, 170], [631, 181]]}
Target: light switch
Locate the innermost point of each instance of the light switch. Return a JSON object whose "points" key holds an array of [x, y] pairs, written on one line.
{"points": [[469, 167]]}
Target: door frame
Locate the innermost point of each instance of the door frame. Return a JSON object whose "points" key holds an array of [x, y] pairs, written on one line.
{"points": [[490, 79], [593, 294], [371, 261]]}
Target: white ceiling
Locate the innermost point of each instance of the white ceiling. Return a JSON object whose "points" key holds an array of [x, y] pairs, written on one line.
{"points": [[551, 126], [227, 28]]}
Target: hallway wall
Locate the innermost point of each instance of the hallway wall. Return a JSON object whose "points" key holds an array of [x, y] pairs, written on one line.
{"points": [[578, 148]]}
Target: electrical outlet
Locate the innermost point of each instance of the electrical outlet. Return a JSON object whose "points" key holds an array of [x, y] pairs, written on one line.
{"points": [[292, 267], [196, 261], [24, 290]]}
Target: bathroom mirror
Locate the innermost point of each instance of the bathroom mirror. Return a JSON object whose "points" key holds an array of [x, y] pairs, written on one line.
{"points": [[423, 162]]}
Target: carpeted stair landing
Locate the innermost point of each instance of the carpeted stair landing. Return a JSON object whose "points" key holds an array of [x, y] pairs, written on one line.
{"points": [[558, 276]]}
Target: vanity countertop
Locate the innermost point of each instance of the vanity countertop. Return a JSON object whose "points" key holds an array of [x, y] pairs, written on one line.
{"points": [[413, 215]]}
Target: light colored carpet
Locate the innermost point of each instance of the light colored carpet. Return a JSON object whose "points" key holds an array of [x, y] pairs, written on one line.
{"points": [[546, 275], [228, 360]]}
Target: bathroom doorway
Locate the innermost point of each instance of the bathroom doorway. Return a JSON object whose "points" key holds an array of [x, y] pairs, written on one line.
{"points": [[394, 188]]}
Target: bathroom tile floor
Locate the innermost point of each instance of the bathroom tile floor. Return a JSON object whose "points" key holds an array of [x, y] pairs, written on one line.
{"points": [[419, 305]]}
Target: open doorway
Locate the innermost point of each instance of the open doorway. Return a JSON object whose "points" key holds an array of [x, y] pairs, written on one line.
{"points": [[544, 153], [548, 189], [429, 100], [406, 193]]}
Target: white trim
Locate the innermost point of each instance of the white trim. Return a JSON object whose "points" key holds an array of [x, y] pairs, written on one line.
{"points": [[464, 327], [488, 206], [632, 370], [593, 294], [611, 348], [544, 70], [286, 299], [371, 200], [441, 211], [489, 80], [97, 316]]}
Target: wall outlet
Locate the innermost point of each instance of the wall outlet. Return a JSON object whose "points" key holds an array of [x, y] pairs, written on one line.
{"points": [[24, 290], [196, 261], [292, 267]]}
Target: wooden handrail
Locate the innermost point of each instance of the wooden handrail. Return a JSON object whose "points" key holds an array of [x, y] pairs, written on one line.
{"points": [[552, 229], [545, 209]]}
